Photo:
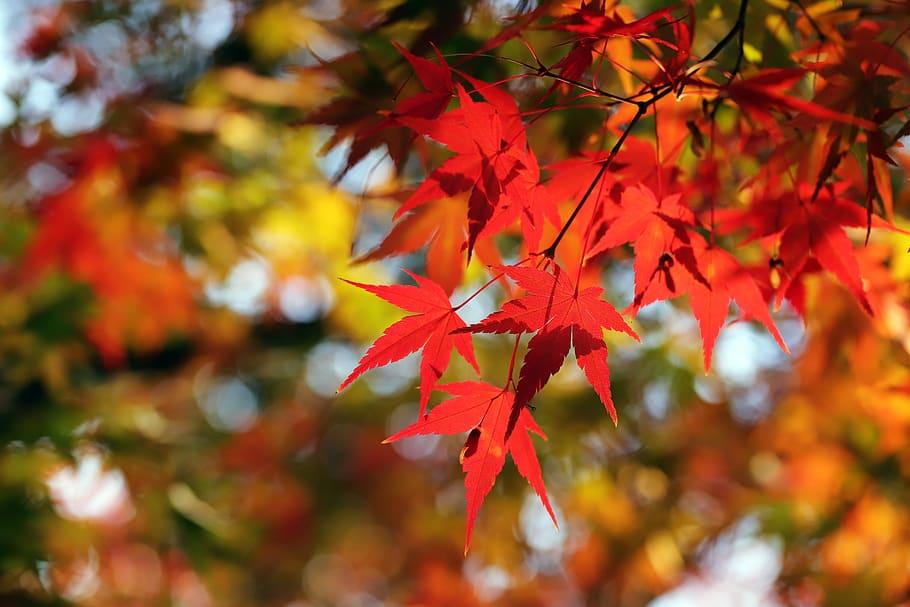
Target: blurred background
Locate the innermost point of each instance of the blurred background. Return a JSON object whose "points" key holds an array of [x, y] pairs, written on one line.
{"points": [[172, 332]]}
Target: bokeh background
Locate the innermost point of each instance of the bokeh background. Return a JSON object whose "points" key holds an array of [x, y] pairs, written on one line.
{"points": [[172, 331]]}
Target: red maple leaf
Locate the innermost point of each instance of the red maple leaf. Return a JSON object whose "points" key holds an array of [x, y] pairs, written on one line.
{"points": [[765, 91], [815, 231], [806, 229], [601, 25], [361, 117], [485, 411], [431, 329], [561, 315], [724, 281], [657, 229], [669, 262], [492, 162], [436, 78], [592, 26]]}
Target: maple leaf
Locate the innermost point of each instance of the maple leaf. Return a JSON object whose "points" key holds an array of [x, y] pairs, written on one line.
{"points": [[367, 125], [592, 26], [858, 79], [669, 262], [673, 70], [561, 315], [431, 329], [814, 233], [764, 91], [485, 411], [807, 229], [725, 280], [439, 223], [570, 178], [598, 25], [767, 277], [436, 78], [657, 229], [356, 116], [492, 162]]}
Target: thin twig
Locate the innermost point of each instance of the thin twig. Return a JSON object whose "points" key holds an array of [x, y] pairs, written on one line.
{"points": [[643, 107], [810, 19], [737, 26], [550, 251], [543, 71]]}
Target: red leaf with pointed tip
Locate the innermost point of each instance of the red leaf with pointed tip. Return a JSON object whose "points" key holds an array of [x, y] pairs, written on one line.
{"points": [[817, 235], [493, 163], [435, 77], [603, 26], [485, 412], [809, 229], [592, 26], [726, 281], [765, 91], [560, 314], [658, 231], [363, 118], [431, 329]]}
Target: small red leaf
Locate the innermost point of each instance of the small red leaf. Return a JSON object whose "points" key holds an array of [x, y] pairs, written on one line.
{"points": [[559, 313], [431, 329], [484, 411]]}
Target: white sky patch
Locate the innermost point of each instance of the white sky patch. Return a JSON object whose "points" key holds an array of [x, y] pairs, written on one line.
{"points": [[739, 569], [245, 288], [306, 299], [657, 398], [327, 364], [743, 351], [416, 447], [88, 492], [478, 308], [504, 9], [537, 528], [230, 405], [212, 24], [11, 70], [374, 170], [78, 114], [489, 581], [395, 377]]}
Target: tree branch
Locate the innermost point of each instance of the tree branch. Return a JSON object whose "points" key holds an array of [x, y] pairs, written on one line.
{"points": [[739, 25], [738, 29], [550, 251]]}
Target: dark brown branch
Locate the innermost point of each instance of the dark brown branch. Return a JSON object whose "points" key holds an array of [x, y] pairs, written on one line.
{"points": [[738, 26], [811, 20], [550, 251]]}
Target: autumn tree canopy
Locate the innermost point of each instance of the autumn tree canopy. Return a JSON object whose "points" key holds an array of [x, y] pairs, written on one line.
{"points": [[258, 257]]}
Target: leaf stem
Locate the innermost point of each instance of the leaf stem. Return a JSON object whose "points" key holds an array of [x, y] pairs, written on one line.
{"points": [[550, 251], [485, 286], [543, 71]]}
